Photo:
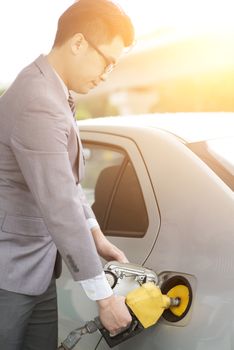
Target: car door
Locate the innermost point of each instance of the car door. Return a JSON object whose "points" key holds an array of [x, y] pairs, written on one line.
{"points": [[119, 189]]}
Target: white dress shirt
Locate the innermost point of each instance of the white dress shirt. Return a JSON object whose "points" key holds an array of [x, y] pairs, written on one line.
{"points": [[98, 287]]}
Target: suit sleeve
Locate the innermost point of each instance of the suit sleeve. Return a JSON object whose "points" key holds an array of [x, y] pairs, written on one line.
{"points": [[39, 142]]}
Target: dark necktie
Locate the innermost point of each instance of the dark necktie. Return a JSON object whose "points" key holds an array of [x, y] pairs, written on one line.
{"points": [[72, 104], [73, 109]]}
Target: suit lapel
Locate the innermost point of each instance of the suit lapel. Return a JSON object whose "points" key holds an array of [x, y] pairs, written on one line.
{"points": [[46, 69]]}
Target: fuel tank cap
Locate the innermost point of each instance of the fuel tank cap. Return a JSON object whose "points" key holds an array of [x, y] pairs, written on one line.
{"points": [[177, 287]]}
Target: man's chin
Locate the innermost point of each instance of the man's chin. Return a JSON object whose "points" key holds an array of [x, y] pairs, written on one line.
{"points": [[82, 91], [85, 89]]}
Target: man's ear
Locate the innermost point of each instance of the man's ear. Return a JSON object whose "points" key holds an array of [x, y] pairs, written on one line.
{"points": [[78, 43]]}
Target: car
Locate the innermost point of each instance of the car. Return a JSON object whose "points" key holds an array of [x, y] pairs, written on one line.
{"points": [[161, 187]]}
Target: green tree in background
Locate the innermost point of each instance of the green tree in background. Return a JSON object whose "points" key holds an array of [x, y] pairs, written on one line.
{"points": [[1, 91], [94, 107]]}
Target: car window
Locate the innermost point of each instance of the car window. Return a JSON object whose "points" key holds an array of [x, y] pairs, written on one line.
{"points": [[113, 191], [218, 155]]}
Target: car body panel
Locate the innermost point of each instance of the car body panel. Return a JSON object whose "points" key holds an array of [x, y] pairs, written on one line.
{"points": [[190, 233]]}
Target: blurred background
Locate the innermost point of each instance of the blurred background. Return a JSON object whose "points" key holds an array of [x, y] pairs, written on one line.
{"points": [[183, 58]]}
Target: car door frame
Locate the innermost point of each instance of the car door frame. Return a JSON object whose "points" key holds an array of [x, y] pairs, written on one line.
{"points": [[147, 242]]}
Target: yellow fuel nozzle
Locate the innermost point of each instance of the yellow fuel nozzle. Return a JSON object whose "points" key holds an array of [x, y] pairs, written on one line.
{"points": [[148, 303]]}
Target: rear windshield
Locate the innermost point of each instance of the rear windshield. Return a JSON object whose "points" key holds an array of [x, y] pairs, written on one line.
{"points": [[218, 154]]}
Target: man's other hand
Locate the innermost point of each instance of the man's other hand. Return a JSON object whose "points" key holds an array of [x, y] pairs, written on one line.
{"points": [[106, 249]]}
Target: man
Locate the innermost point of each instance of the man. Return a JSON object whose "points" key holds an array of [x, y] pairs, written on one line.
{"points": [[43, 209]]}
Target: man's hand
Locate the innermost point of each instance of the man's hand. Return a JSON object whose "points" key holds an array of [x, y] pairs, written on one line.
{"points": [[107, 250], [114, 314]]}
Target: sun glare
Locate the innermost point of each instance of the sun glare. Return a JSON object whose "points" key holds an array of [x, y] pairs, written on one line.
{"points": [[197, 14], [31, 38]]}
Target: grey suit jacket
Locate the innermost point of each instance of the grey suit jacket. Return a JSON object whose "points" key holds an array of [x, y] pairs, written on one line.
{"points": [[42, 205]]}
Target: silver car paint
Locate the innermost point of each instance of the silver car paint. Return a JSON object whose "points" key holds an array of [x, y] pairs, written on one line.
{"points": [[196, 237]]}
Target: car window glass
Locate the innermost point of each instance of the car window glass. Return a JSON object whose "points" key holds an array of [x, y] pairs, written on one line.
{"points": [[113, 191], [218, 155], [128, 214], [97, 158], [222, 150]]}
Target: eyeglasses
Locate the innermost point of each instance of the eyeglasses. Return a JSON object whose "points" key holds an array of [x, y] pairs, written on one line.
{"points": [[109, 64]]}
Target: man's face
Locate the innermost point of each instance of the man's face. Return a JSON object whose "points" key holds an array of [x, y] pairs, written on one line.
{"points": [[93, 64]]}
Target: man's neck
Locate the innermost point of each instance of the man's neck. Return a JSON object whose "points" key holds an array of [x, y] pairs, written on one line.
{"points": [[54, 59]]}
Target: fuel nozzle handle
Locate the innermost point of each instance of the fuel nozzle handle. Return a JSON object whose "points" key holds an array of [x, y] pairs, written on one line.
{"points": [[92, 326], [146, 304]]}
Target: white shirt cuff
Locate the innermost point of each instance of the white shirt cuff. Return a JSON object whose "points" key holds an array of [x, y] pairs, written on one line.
{"points": [[92, 223], [97, 288]]}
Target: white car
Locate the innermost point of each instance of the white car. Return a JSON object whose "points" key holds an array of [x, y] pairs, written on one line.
{"points": [[161, 187]]}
